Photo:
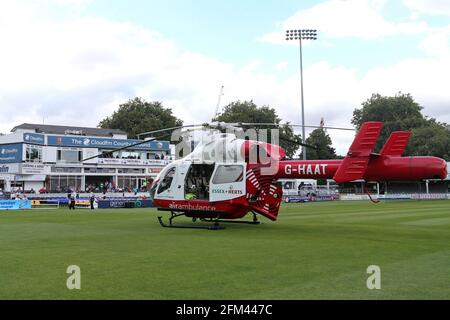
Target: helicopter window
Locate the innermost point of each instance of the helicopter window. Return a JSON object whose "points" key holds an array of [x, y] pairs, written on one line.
{"points": [[167, 181], [228, 174]]}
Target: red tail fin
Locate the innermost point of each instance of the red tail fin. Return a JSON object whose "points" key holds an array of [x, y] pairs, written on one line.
{"points": [[396, 144], [366, 139], [355, 164]]}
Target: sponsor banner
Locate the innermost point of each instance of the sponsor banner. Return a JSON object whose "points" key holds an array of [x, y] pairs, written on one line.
{"points": [[32, 168], [139, 162], [105, 143], [398, 196], [34, 138], [295, 199], [9, 168], [155, 170], [117, 204], [354, 197], [430, 196], [395, 196], [10, 153], [32, 177], [15, 204], [299, 199], [290, 192]]}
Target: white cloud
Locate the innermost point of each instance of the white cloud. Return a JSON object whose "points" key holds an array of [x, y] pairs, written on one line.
{"points": [[281, 66], [78, 3], [426, 79], [339, 19], [430, 7], [437, 44]]}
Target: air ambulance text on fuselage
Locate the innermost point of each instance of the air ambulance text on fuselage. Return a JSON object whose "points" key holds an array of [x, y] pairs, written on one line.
{"points": [[306, 169]]}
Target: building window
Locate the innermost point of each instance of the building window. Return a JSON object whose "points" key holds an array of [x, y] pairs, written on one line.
{"points": [[108, 154], [131, 170], [66, 170], [63, 183], [33, 154], [127, 183], [99, 170], [158, 155], [131, 155], [68, 155]]}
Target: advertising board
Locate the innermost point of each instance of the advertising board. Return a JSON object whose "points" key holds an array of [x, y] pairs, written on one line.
{"points": [[34, 138], [120, 204], [105, 143], [11, 153], [15, 204]]}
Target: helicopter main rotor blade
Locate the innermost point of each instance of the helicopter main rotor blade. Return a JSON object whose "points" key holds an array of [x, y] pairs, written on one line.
{"points": [[236, 125], [299, 143], [293, 125], [169, 129]]}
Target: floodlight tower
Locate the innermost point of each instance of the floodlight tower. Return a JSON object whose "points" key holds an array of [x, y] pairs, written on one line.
{"points": [[302, 34]]}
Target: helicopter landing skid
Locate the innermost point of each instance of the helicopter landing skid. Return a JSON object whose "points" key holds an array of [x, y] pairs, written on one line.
{"points": [[215, 222], [254, 222]]}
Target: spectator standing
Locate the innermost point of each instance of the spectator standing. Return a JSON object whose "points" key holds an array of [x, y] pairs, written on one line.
{"points": [[91, 200], [72, 200]]}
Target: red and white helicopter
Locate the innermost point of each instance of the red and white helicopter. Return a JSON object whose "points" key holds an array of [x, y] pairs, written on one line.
{"points": [[226, 178]]}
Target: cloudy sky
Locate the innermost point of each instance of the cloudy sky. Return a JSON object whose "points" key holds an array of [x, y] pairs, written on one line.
{"points": [[74, 61]]}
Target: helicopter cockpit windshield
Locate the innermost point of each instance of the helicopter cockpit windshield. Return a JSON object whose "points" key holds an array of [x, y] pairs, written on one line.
{"points": [[166, 182]]}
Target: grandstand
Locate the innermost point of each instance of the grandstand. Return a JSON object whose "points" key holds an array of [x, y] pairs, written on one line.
{"points": [[38, 158]]}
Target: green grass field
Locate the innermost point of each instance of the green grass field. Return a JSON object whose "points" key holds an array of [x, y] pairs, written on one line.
{"points": [[314, 251]]}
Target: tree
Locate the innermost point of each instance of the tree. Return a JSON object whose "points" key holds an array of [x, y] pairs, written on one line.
{"points": [[322, 141], [138, 116], [248, 111], [402, 113], [430, 140], [399, 113]]}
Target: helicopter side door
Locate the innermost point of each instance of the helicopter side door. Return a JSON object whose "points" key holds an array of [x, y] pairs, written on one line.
{"points": [[227, 182], [172, 180]]}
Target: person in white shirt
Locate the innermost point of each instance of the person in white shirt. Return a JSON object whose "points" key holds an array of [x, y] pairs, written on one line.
{"points": [[72, 200]]}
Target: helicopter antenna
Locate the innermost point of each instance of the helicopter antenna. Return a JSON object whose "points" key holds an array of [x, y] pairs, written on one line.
{"points": [[218, 101]]}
